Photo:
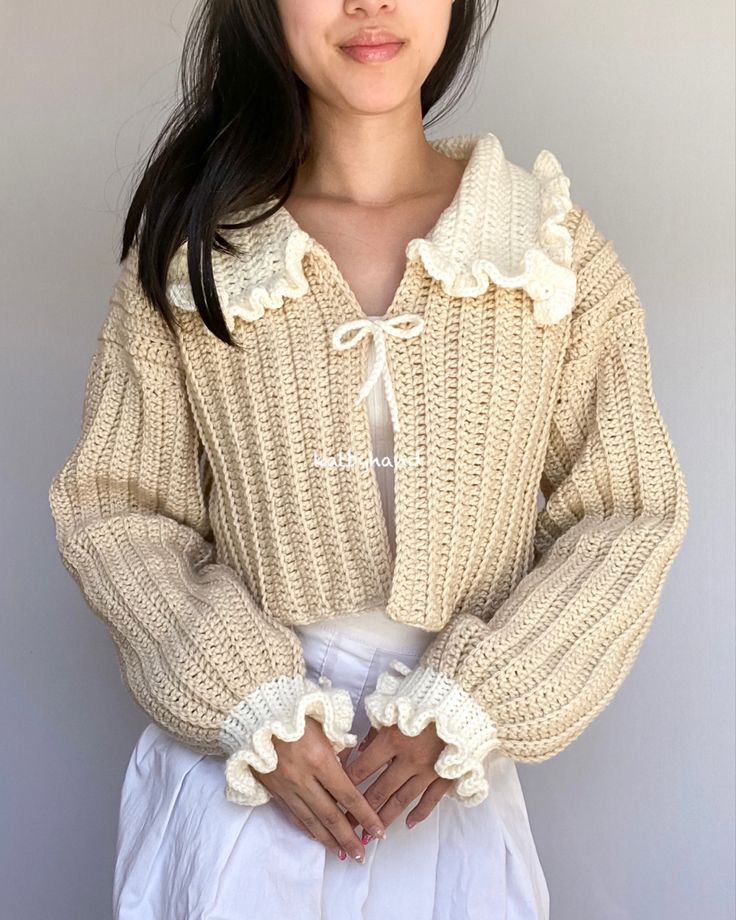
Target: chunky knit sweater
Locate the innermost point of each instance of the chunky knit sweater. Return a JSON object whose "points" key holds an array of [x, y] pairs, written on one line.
{"points": [[216, 495]]}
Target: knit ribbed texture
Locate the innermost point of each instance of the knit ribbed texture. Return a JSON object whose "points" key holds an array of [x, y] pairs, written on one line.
{"points": [[539, 662], [196, 650], [200, 528]]}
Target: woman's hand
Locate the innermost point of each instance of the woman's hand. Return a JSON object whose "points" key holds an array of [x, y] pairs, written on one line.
{"points": [[410, 772], [309, 783]]}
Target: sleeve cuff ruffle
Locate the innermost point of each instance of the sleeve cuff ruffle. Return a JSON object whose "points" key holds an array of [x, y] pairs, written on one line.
{"points": [[423, 695], [279, 708]]}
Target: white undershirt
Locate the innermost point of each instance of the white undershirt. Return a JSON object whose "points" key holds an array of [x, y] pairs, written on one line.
{"points": [[382, 438]]}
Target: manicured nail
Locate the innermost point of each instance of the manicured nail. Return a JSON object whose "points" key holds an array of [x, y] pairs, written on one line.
{"points": [[365, 837], [359, 857], [363, 744], [341, 854], [410, 824], [378, 832]]}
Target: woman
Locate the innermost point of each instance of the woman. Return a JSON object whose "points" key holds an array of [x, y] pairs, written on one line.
{"points": [[309, 283]]}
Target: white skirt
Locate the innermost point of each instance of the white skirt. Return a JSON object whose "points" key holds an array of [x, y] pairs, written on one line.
{"points": [[184, 852]]}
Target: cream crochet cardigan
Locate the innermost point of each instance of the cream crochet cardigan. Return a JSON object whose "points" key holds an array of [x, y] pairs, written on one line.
{"points": [[199, 527]]}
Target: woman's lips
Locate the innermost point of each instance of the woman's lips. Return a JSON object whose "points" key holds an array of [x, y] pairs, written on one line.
{"points": [[366, 54]]}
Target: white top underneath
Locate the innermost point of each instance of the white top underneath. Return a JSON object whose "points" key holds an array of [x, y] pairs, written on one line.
{"points": [[382, 438]]}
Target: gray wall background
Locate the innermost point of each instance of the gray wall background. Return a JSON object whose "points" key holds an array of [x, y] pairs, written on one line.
{"points": [[634, 820]]}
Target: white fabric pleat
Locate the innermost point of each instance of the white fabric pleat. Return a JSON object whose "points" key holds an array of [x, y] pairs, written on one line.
{"points": [[186, 853]]}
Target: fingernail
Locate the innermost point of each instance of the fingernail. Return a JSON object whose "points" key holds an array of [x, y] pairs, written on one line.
{"points": [[365, 837], [363, 744], [410, 824], [359, 857], [378, 832], [341, 854]]}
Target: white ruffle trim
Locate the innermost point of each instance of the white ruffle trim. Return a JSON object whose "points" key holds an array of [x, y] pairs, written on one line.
{"points": [[541, 267], [423, 695], [248, 289], [505, 226], [279, 708]]}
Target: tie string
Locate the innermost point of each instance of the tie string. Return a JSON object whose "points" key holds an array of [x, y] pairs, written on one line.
{"points": [[403, 326]]}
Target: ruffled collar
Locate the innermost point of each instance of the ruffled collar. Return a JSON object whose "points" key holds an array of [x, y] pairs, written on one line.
{"points": [[505, 225]]}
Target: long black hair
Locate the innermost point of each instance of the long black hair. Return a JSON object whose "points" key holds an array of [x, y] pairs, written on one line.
{"points": [[239, 134]]}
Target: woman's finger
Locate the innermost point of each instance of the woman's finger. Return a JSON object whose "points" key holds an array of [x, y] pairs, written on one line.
{"points": [[346, 794], [291, 816], [431, 796], [379, 752], [311, 821], [400, 771], [400, 800], [327, 812]]}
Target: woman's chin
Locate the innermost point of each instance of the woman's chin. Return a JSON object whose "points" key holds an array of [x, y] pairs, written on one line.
{"points": [[374, 99]]}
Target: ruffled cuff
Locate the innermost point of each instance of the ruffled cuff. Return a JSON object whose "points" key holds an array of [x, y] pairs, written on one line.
{"points": [[279, 708], [424, 694]]}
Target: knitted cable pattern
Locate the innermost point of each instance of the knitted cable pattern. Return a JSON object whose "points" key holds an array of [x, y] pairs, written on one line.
{"points": [[200, 527]]}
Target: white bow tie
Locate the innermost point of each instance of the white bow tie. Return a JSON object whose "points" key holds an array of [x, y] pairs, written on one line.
{"points": [[402, 326]]}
